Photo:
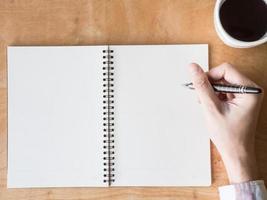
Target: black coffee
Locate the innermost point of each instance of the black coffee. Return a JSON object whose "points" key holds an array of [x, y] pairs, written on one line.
{"points": [[244, 20]]}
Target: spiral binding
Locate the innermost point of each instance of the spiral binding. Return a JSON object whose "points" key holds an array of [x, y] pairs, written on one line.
{"points": [[108, 116]]}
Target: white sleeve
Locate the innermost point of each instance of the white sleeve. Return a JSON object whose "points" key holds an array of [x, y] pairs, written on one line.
{"points": [[251, 190]]}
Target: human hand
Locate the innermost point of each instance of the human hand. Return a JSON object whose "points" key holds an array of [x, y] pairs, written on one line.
{"points": [[231, 119]]}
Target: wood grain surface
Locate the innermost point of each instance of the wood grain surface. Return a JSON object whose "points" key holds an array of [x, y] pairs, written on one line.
{"points": [[88, 22]]}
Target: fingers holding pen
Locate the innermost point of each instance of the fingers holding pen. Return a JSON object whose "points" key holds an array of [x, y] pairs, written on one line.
{"points": [[203, 87]]}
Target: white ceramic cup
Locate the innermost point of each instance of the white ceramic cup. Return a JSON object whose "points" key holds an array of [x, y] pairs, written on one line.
{"points": [[226, 38]]}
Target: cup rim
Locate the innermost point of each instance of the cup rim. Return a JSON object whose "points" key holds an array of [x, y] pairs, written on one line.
{"points": [[228, 39]]}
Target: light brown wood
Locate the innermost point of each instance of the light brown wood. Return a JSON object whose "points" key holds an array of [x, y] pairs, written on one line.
{"points": [[85, 22]]}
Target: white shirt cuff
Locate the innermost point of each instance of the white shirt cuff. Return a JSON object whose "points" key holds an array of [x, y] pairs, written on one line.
{"points": [[244, 191]]}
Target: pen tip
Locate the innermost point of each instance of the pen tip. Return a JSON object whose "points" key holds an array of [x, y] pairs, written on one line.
{"points": [[188, 85]]}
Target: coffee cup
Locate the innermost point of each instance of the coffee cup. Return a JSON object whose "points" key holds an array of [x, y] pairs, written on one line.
{"points": [[235, 32]]}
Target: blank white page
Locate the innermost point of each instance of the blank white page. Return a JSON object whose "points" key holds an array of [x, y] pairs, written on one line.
{"points": [[160, 136], [55, 116]]}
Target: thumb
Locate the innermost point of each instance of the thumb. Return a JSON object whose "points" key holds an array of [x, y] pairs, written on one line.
{"points": [[203, 88]]}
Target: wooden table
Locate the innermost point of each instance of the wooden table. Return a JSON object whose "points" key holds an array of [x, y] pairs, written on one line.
{"points": [[86, 22]]}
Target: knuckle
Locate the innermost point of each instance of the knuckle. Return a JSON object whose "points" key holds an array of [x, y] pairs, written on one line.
{"points": [[227, 65], [201, 82]]}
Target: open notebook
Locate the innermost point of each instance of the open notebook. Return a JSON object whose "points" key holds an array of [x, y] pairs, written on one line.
{"points": [[105, 116]]}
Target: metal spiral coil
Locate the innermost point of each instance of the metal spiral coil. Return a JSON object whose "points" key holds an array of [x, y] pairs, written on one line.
{"points": [[108, 117]]}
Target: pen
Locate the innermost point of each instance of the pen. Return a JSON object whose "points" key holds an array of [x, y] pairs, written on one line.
{"points": [[240, 89]]}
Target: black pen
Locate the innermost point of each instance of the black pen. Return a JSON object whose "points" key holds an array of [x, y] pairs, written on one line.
{"points": [[240, 89]]}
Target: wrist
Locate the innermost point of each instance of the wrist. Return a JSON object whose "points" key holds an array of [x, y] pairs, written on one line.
{"points": [[241, 167]]}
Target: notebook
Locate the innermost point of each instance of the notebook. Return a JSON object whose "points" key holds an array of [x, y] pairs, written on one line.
{"points": [[101, 116]]}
